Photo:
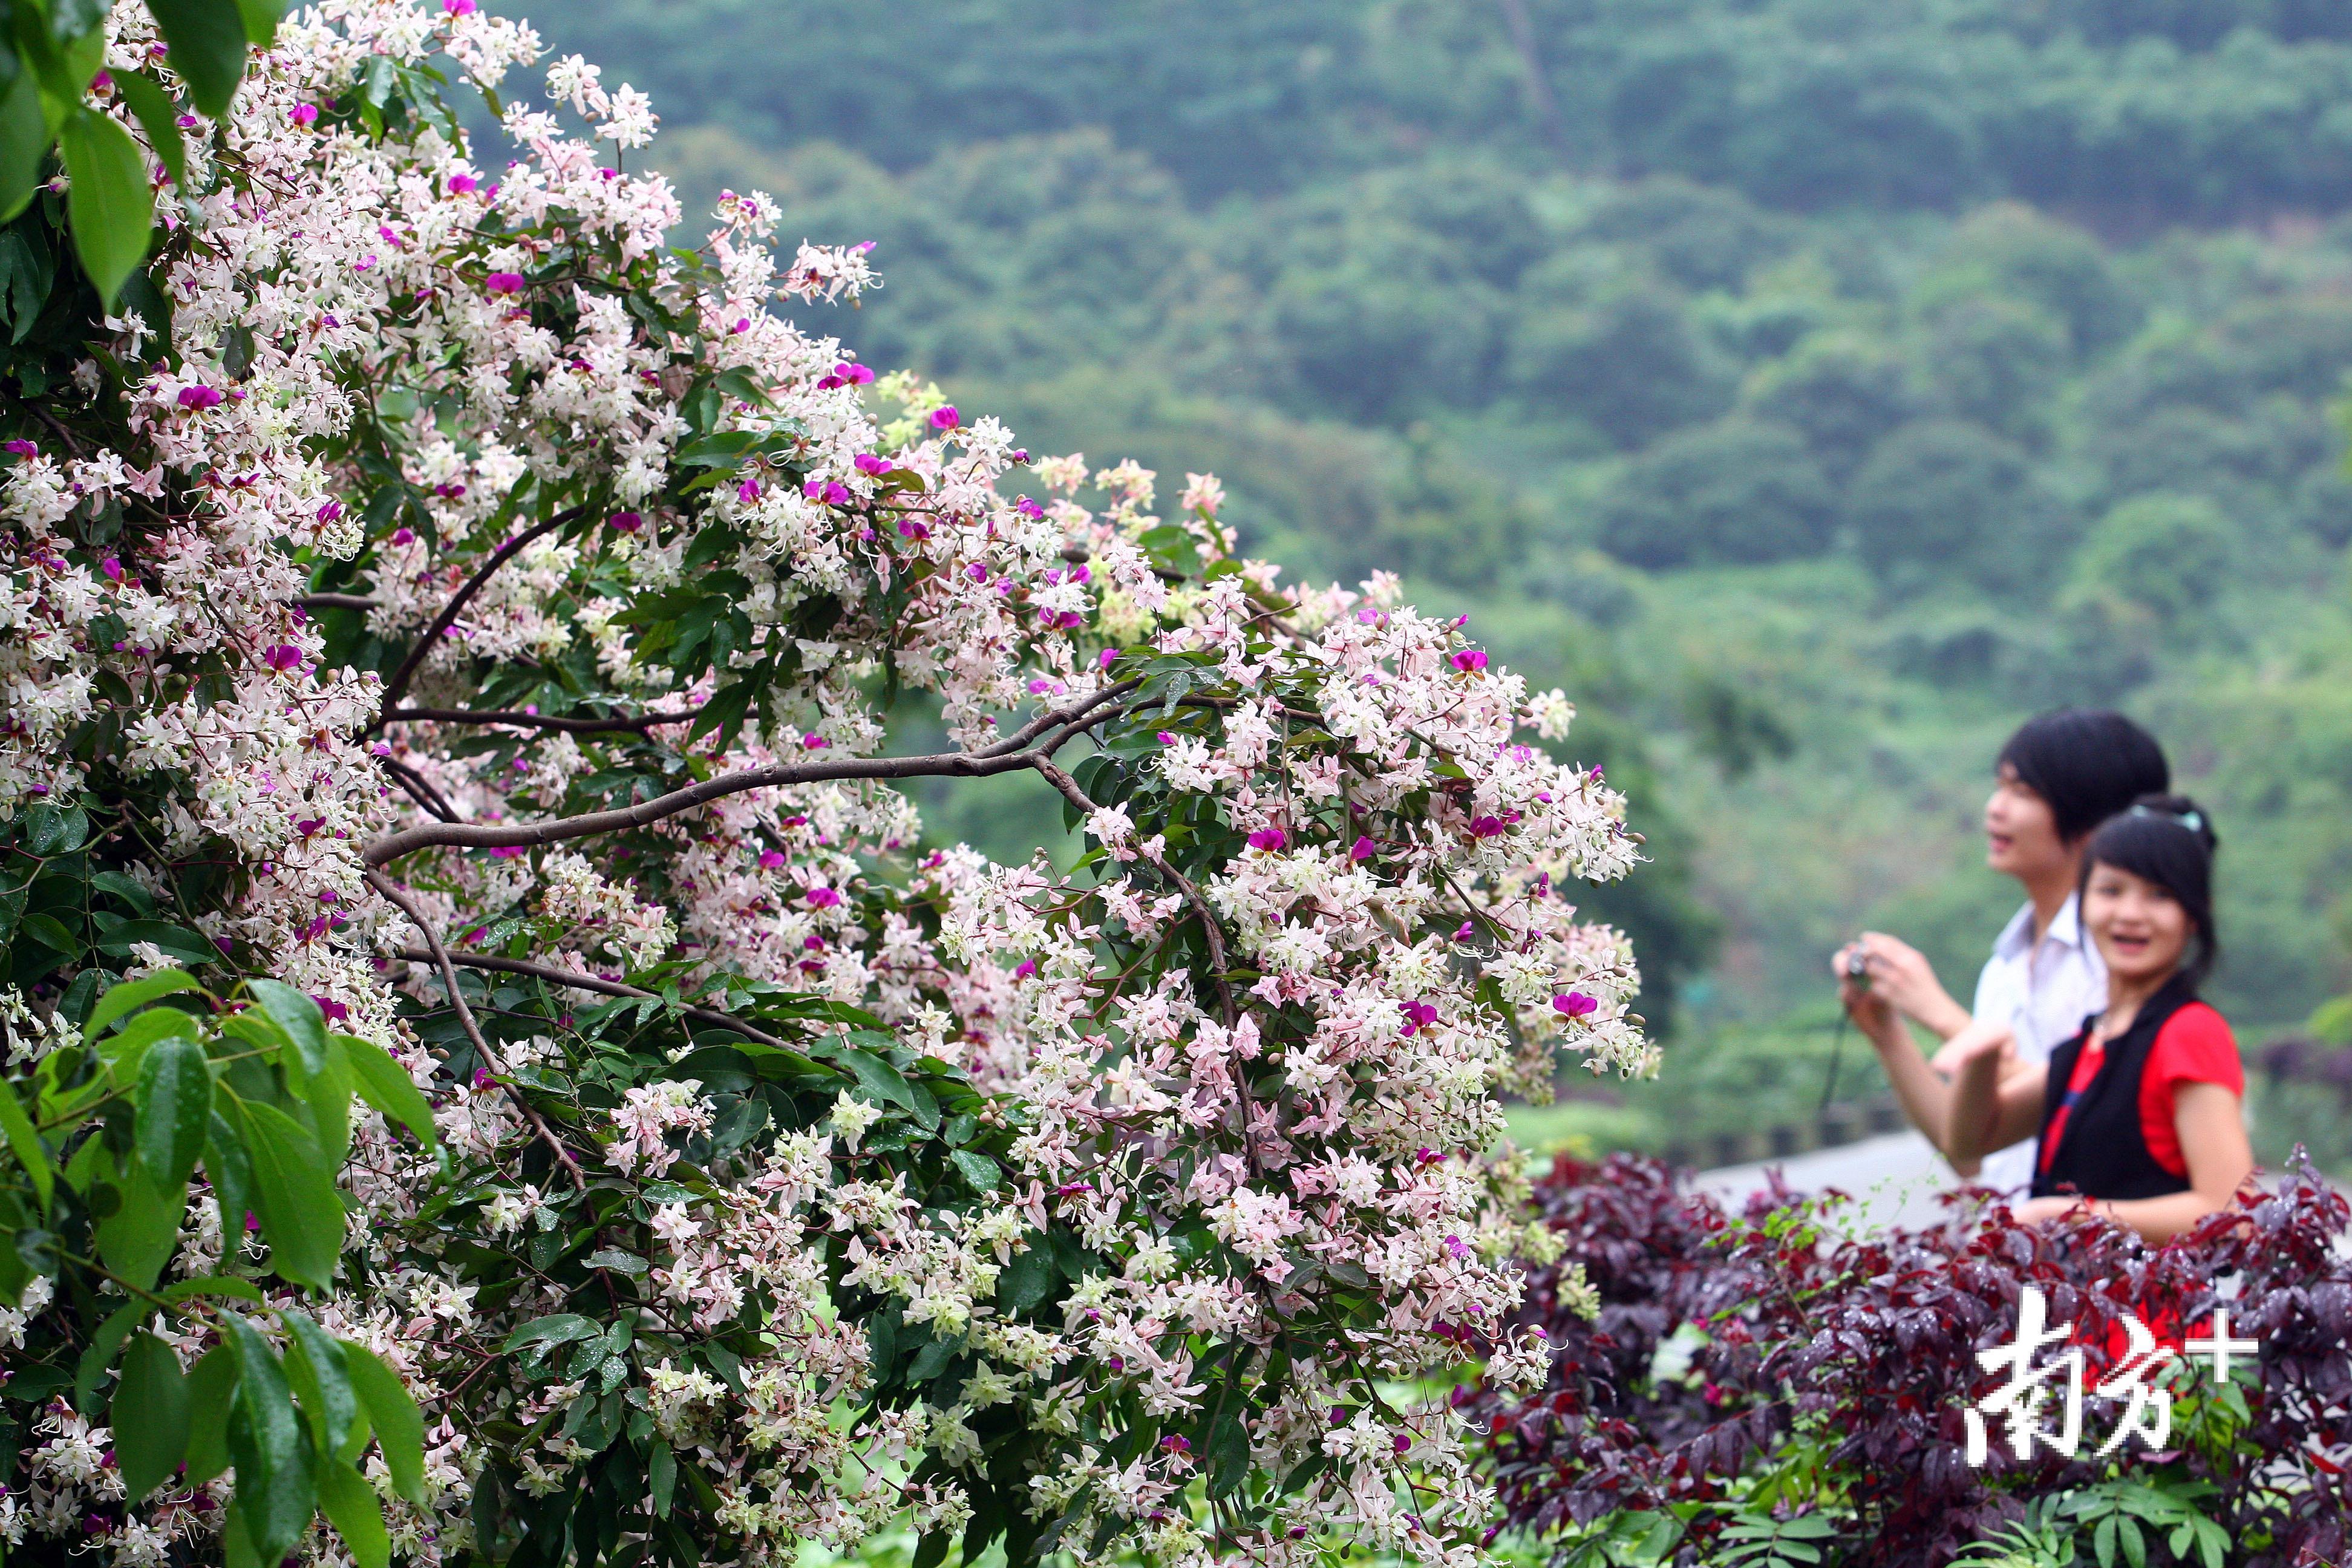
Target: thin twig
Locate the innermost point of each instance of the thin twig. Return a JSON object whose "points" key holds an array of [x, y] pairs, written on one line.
{"points": [[420, 789], [336, 602], [395, 688], [602, 986], [440, 957]]}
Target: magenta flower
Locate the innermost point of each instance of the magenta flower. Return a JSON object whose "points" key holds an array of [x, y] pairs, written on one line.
{"points": [[23, 449], [1025, 969], [837, 493], [199, 397], [303, 114], [1267, 839], [503, 283], [822, 899], [1166, 739], [1575, 1004], [459, 8], [747, 491], [112, 567], [1469, 661], [625, 522], [335, 1011], [1363, 849], [814, 743], [282, 655], [463, 185], [187, 122], [332, 511], [867, 463], [1466, 932], [943, 418], [1486, 826], [1110, 658], [1028, 508], [770, 860], [403, 535], [1418, 1015]]}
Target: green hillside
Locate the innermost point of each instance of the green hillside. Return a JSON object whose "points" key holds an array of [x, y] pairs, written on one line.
{"points": [[1816, 387]]}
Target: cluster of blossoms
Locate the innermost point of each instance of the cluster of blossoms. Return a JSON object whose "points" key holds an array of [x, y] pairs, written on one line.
{"points": [[473, 586]]}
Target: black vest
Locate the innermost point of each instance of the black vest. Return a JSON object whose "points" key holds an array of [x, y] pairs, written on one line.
{"points": [[2101, 1151]]}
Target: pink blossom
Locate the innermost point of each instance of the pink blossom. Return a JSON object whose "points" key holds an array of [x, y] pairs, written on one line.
{"points": [[1469, 660], [625, 522], [303, 114], [944, 418], [199, 397], [503, 283]]}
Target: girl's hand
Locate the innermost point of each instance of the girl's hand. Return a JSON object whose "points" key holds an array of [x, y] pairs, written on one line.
{"points": [[1969, 1044], [2039, 1211]]}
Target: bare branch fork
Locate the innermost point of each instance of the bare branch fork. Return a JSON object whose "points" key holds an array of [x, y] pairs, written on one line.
{"points": [[440, 955], [1033, 743], [397, 687]]}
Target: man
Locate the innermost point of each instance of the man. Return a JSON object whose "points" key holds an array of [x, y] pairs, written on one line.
{"points": [[2059, 777]]}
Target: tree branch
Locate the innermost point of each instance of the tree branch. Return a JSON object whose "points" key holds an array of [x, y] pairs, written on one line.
{"points": [[602, 986], [943, 765], [335, 601], [533, 720], [397, 686], [440, 957]]}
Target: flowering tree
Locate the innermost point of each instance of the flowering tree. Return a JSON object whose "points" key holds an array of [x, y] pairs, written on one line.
{"points": [[455, 607]]}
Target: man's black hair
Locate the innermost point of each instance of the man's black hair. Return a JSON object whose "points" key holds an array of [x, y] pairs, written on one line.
{"points": [[2166, 839], [2088, 764]]}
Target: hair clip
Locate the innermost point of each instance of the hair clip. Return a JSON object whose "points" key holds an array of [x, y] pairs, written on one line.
{"points": [[2192, 820]]}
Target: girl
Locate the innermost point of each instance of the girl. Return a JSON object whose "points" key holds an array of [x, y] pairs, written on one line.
{"points": [[2139, 1112]]}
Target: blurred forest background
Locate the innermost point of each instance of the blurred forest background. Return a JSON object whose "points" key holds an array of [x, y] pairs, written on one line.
{"points": [[1816, 388]]}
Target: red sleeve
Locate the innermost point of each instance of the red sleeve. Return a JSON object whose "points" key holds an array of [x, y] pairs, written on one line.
{"points": [[2195, 1046]]}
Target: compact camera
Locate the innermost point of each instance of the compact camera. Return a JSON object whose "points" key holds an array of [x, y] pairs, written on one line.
{"points": [[1857, 967]]}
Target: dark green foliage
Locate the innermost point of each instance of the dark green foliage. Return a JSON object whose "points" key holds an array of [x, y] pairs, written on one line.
{"points": [[1737, 492], [1943, 501]]}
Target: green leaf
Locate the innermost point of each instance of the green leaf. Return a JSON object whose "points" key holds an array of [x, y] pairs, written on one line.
{"points": [[208, 42], [133, 995], [351, 1504], [558, 1329], [399, 1426], [25, 1144], [1228, 1455], [299, 1016], [109, 207], [315, 1365], [384, 1084], [661, 1477], [24, 141], [268, 1446], [175, 1108], [159, 119], [149, 1415], [329, 1096], [212, 1386], [99, 1354], [139, 1237], [978, 1169], [214, 1285], [302, 1216], [261, 18], [176, 940], [230, 1170]]}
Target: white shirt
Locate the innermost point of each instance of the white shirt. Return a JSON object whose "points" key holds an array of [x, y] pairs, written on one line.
{"points": [[2043, 991]]}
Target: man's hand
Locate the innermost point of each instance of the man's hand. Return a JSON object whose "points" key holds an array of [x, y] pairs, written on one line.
{"points": [[1902, 975], [1869, 1009]]}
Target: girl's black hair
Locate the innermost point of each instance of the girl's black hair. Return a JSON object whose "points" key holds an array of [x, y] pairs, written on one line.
{"points": [[2169, 840], [2088, 764]]}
